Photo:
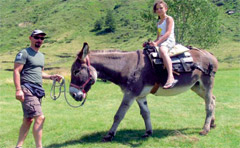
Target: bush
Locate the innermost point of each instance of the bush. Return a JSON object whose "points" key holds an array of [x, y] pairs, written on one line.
{"points": [[98, 24], [110, 21]]}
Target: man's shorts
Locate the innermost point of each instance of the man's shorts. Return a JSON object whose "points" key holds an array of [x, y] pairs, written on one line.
{"points": [[31, 105]]}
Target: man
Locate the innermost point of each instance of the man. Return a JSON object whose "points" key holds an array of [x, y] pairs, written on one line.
{"points": [[28, 75]]}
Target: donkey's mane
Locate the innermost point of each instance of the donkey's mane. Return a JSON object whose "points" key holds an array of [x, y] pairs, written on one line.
{"points": [[113, 52], [107, 51], [110, 54]]}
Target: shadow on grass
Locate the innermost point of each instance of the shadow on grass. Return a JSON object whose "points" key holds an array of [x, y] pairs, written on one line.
{"points": [[126, 137], [102, 32]]}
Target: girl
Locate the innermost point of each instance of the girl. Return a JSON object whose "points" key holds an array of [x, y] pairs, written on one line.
{"points": [[165, 39]]}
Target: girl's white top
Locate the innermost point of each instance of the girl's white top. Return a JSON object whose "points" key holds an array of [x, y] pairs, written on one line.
{"points": [[162, 28]]}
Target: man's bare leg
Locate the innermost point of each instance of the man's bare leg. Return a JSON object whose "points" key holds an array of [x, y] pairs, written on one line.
{"points": [[37, 130]]}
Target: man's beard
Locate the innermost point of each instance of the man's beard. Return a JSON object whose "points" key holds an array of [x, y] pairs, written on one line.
{"points": [[37, 44]]}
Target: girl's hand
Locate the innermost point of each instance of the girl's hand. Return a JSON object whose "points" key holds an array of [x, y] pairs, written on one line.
{"points": [[144, 44], [153, 44]]}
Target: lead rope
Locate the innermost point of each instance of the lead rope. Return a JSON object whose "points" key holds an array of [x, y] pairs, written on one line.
{"points": [[60, 84]]}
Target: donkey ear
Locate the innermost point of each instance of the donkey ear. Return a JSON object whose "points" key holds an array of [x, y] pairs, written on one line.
{"points": [[84, 52]]}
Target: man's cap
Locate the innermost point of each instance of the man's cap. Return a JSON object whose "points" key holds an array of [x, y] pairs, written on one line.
{"points": [[36, 32]]}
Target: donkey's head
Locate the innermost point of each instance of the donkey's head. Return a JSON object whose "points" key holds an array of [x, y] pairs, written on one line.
{"points": [[83, 75]]}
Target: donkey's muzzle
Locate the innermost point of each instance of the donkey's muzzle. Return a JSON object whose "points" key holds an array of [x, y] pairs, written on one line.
{"points": [[78, 95]]}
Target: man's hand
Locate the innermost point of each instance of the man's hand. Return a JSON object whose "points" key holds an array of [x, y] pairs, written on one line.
{"points": [[20, 95], [56, 77]]}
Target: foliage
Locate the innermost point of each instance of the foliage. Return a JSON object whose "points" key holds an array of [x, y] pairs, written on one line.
{"points": [[98, 24], [110, 21], [196, 21]]}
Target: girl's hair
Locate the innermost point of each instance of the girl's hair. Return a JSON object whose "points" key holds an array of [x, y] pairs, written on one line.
{"points": [[159, 2]]}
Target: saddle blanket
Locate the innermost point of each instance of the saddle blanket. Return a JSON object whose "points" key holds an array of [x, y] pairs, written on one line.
{"points": [[182, 60], [177, 49]]}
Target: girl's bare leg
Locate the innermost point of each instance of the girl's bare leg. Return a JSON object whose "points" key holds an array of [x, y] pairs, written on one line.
{"points": [[168, 63]]}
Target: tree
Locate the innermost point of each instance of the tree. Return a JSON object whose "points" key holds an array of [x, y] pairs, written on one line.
{"points": [[98, 24], [110, 21], [196, 21]]}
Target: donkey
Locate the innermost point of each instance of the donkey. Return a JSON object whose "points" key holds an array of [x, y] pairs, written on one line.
{"points": [[133, 72]]}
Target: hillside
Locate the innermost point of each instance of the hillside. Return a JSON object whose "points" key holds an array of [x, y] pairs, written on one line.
{"points": [[69, 23], [65, 21]]}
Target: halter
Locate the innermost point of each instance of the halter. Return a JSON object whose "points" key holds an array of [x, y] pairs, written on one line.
{"points": [[82, 88], [60, 85]]}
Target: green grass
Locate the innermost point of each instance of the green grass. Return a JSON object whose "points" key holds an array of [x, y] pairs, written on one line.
{"points": [[176, 120]]}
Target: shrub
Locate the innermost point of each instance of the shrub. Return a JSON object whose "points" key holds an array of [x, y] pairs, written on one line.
{"points": [[110, 21], [98, 24]]}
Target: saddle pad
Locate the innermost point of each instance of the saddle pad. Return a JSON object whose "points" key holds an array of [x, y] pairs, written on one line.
{"points": [[176, 50], [186, 57], [181, 63]]}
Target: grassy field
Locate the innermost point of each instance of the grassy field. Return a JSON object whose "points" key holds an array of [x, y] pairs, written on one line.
{"points": [[176, 120]]}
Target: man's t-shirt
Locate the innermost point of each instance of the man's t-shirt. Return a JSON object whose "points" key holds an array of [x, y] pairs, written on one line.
{"points": [[33, 65]]}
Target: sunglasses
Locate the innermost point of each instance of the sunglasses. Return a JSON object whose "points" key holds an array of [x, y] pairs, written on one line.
{"points": [[36, 38]]}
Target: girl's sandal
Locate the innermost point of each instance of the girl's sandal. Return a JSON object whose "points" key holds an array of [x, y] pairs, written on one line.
{"points": [[170, 85]]}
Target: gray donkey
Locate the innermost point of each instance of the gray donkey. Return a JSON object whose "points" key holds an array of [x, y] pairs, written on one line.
{"points": [[134, 73]]}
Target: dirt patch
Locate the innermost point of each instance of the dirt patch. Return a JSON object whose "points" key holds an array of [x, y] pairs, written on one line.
{"points": [[25, 24], [46, 68], [8, 69], [65, 55], [51, 68], [177, 135], [7, 62]]}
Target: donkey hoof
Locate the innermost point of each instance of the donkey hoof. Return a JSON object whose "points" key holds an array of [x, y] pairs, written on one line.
{"points": [[213, 125], [203, 133], [107, 138], [147, 134]]}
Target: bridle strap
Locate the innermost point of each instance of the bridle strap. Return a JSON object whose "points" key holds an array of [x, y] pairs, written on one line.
{"points": [[73, 85], [54, 97], [90, 76]]}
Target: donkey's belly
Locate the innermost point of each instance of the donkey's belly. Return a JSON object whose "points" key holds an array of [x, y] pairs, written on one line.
{"points": [[165, 92], [171, 92]]}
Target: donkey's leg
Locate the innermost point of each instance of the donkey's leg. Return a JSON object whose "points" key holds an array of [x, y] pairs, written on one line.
{"points": [[212, 125], [204, 90], [142, 102], [123, 108]]}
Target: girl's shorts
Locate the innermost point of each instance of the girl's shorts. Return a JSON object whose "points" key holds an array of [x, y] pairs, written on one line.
{"points": [[168, 43]]}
